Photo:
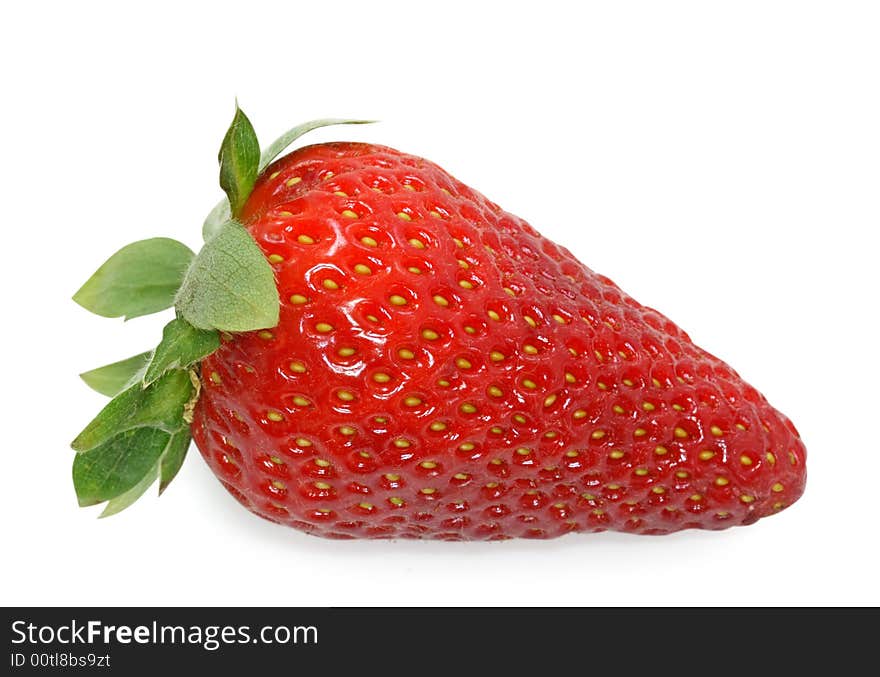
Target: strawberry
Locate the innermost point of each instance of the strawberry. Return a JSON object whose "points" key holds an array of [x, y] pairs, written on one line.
{"points": [[432, 367]]}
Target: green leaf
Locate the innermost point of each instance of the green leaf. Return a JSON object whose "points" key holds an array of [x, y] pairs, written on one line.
{"points": [[239, 160], [113, 378], [230, 285], [117, 465], [139, 279], [141, 435], [165, 469], [182, 345], [159, 406], [282, 142], [215, 220], [121, 469], [222, 213], [173, 457], [121, 502]]}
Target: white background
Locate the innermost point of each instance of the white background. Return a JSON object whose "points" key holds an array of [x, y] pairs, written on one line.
{"points": [[719, 160]]}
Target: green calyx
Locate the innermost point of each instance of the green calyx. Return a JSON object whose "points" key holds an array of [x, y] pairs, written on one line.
{"points": [[143, 433]]}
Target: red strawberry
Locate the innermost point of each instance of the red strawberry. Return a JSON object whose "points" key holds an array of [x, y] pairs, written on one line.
{"points": [[441, 370]]}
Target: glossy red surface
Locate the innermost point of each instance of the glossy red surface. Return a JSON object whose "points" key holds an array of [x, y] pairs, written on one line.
{"points": [[440, 370]]}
